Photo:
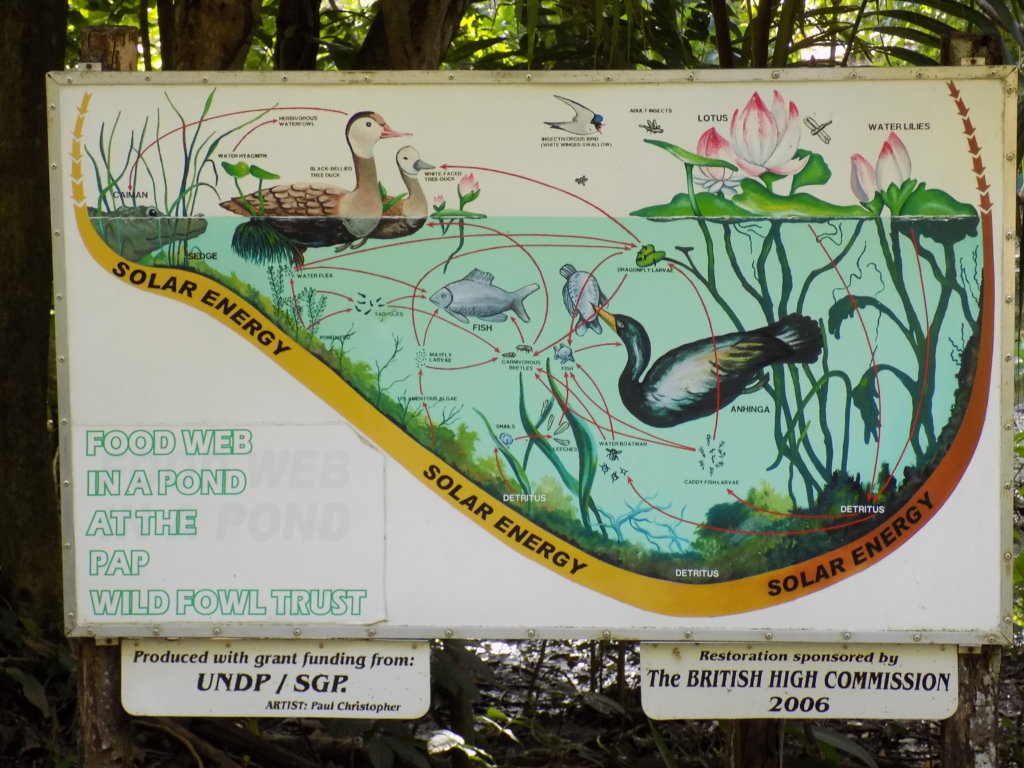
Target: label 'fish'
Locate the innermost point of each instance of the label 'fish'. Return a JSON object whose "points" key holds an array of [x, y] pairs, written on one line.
{"points": [[475, 296]]}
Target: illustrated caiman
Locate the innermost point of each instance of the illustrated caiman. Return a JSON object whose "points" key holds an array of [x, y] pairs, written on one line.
{"points": [[137, 230]]}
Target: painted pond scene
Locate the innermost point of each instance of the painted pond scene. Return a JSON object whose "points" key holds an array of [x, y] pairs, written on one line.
{"points": [[701, 341]]}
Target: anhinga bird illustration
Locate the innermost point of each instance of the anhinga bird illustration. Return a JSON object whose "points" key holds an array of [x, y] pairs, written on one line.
{"points": [[703, 376]]}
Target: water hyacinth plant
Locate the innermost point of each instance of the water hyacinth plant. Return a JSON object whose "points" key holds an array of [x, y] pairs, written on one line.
{"points": [[468, 190]]}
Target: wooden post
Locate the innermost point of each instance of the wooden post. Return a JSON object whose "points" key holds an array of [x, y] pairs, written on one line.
{"points": [[113, 48], [754, 744], [104, 728], [971, 736]]}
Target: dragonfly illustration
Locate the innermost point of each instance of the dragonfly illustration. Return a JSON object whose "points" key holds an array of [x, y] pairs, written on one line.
{"points": [[818, 129]]}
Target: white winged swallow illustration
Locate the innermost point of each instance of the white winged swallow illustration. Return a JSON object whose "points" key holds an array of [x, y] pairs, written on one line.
{"points": [[584, 122]]}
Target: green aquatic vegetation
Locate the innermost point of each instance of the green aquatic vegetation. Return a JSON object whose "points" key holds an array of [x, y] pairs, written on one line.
{"points": [[582, 484]]}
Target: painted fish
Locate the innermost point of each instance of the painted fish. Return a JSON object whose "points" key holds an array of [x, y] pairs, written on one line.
{"points": [[475, 296], [582, 296]]}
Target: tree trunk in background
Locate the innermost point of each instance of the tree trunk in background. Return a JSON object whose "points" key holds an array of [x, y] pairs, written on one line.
{"points": [[116, 48], [298, 27], [32, 37], [971, 736], [104, 728], [207, 34], [411, 34], [754, 744]]}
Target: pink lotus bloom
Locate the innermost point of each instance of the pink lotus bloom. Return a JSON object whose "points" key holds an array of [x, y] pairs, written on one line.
{"points": [[714, 145], [468, 185], [862, 178], [438, 202], [765, 141], [892, 167]]}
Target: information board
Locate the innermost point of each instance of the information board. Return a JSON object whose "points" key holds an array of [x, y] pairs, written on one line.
{"points": [[798, 681], [682, 355], [276, 678]]}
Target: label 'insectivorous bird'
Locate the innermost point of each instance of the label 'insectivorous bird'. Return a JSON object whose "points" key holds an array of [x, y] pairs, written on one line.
{"points": [[476, 296]]}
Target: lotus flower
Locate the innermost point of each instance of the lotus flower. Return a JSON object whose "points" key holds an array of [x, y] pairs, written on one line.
{"points": [[712, 144], [469, 190], [765, 141], [892, 168], [863, 181], [439, 202]]}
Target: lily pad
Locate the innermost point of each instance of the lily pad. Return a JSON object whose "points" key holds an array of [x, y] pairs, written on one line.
{"points": [[262, 173], [934, 202], [689, 157], [815, 172], [238, 170], [755, 199], [455, 213], [679, 206]]}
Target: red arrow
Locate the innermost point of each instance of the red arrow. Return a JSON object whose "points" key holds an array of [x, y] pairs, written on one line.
{"points": [[550, 186], [871, 349], [647, 437], [334, 293], [595, 346], [497, 463], [746, 503], [604, 406], [258, 125], [460, 367], [735, 530], [295, 303], [924, 375], [430, 422], [331, 314]]}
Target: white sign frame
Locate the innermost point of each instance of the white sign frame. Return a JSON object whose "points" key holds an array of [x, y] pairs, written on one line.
{"points": [[950, 583]]}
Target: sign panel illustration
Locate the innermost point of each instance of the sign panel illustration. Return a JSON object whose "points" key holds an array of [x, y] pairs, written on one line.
{"points": [[700, 349]]}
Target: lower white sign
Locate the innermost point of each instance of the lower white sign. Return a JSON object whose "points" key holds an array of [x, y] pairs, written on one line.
{"points": [[738, 680], [276, 678]]}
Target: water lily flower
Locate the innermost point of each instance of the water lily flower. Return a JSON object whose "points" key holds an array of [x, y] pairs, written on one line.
{"points": [[765, 140], [862, 178], [439, 202], [714, 145], [469, 190], [892, 168]]}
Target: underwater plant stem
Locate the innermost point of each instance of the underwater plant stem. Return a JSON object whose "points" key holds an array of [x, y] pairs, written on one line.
{"points": [[517, 469], [689, 189], [827, 268], [730, 252], [782, 307], [462, 241]]}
